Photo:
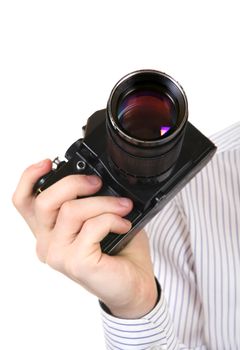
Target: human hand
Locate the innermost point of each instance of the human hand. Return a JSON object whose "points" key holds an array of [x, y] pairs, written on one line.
{"points": [[69, 230]]}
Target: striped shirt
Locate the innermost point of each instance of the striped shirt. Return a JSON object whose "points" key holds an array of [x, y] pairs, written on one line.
{"points": [[195, 247]]}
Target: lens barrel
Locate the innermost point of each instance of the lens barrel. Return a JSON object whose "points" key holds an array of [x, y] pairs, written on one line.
{"points": [[147, 113]]}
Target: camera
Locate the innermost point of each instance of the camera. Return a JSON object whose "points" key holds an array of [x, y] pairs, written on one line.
{"points": [[142, 146]]}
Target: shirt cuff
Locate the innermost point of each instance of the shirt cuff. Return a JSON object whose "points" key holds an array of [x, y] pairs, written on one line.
{"points": [[153, 329]]}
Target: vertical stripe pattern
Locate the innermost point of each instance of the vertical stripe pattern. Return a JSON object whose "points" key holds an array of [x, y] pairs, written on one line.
{"points": [[195, 247]]}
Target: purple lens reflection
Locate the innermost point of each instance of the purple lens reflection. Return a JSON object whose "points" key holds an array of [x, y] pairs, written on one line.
{"points": [[164, 129]]}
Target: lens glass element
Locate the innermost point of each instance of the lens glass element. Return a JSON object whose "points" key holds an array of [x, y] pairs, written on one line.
{"points": [[147, 114]]}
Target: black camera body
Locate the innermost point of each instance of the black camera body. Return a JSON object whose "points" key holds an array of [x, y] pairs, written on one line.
{"points": [[127, 168]]}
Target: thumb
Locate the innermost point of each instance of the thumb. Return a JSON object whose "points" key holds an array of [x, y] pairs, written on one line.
{"points": [[23, 195]]}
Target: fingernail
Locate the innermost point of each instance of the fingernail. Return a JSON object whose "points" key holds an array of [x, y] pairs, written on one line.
{"points": [[93, 180], [127, 223], [125, 202]]}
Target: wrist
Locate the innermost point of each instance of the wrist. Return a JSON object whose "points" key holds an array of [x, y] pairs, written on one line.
{"points": [[144, 300]]}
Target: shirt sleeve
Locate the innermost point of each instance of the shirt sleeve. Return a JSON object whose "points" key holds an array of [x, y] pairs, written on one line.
{"points": [[154, 331], [176, 321], [149, 332]]}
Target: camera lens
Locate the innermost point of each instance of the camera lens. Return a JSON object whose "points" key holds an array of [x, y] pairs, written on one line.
{"points": [[146, 118], [147, 114]]}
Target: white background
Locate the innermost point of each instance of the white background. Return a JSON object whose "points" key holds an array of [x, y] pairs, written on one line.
{"points": [[58, 63]]}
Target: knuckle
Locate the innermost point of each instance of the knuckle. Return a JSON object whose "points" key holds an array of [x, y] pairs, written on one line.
{"points": [[16, 200], [54, 257], [42, 203], [28, 170], [66, 210], [40, 252], [103, 221], [92, 224], [110, 218]]}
